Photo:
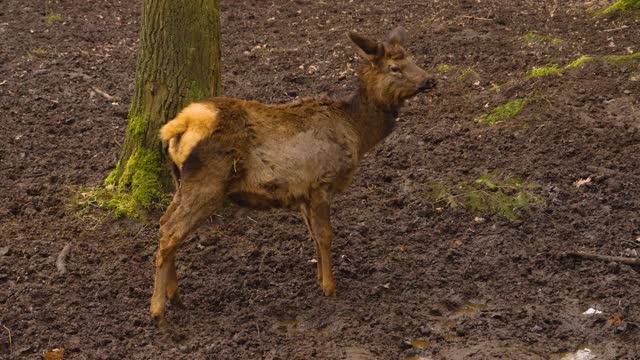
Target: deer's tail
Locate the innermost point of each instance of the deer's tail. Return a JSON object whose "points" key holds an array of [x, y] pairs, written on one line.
{"points": [[193, 123]]}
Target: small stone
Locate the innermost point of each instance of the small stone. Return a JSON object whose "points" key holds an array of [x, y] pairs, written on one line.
{"points": [[537, 328], [240, 338], [4, 251], [592, 311]]}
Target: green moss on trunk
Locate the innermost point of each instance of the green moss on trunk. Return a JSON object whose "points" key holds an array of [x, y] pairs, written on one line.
{"points": [[178, 63], [142, 177]]}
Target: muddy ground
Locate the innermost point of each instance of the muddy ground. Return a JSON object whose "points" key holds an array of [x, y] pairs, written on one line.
{"points": [[414, 278]]}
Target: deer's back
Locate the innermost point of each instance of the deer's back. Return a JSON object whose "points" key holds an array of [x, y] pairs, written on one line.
{"points": [[279, 152]]}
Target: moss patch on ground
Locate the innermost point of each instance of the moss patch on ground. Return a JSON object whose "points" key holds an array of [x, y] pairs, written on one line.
{"points": [[119, 203], [444, 68], [139, 188], [51, 18], [545, 70], [621, 59], [579, 61], [491, 193], [533, 37], [504, 112], [554, 69], [620, 5]]}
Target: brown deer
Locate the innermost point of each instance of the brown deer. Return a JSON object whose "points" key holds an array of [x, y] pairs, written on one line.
{"points": [[292, 156]]}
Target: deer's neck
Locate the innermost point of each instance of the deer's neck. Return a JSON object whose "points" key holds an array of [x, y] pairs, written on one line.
{"points": [[373, 121]]}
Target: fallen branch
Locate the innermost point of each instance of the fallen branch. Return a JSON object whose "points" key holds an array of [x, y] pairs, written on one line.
{"points": [[620, 259], [10, 341], [103, 93], [62, 257], [616, 29], [415, 4], [476, 18], [72, 74], [262, 260]]}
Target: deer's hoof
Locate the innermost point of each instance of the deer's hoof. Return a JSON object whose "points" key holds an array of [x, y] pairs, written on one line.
{"points": [[176, 302], [329, 290], [159, 321]]}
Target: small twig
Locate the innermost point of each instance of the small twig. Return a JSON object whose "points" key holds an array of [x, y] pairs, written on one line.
{"points": [[476, 18], [262, 260], [260, 338], [72, 74], [415, 4], [62, 257], [10, 341], [249, 217], [104, 94], [140, 231], [620, 259], [616, 29]]}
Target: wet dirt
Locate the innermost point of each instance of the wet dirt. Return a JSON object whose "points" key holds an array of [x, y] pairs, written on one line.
{"points": [[403, 268]]}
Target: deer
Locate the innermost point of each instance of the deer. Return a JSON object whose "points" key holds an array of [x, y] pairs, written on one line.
{"points": [[295, 156]]}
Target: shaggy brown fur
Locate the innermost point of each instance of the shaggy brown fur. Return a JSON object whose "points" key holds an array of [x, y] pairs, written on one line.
{"points": [[295, 156]]}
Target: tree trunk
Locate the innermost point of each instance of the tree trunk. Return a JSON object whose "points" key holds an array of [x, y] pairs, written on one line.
{"points": [[178, 62]]}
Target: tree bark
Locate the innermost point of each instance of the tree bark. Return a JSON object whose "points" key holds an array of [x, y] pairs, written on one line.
{"points": [[178, 63]]}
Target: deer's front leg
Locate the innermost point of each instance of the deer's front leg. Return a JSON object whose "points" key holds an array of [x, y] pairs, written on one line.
{"points": [[323, 236]]}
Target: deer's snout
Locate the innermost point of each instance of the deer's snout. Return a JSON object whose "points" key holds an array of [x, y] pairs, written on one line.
{"points": [[427, 84]]}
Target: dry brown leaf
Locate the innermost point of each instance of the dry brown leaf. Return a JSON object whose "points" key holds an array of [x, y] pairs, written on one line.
{"points": [[582, 182], [614, 321], [55, 354]]}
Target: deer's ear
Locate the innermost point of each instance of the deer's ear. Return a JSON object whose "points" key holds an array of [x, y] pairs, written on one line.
{"points": [[371, 50], [397, 36]]}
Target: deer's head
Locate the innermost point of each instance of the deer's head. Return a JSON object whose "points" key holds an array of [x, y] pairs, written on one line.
{"points": [[390, 75]]}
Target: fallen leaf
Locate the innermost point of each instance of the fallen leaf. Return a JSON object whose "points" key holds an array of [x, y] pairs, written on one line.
{"points": [[614, 321], [582, 182], [55, 354]]}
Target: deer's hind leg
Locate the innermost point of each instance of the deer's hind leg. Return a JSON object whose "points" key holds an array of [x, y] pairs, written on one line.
{"points": [[318, 220], [306, 214], [171, 208], [200, 196], [172, 279]]}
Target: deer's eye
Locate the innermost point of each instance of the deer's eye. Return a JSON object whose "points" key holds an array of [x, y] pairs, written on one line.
{"points": [[394, 69]]}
